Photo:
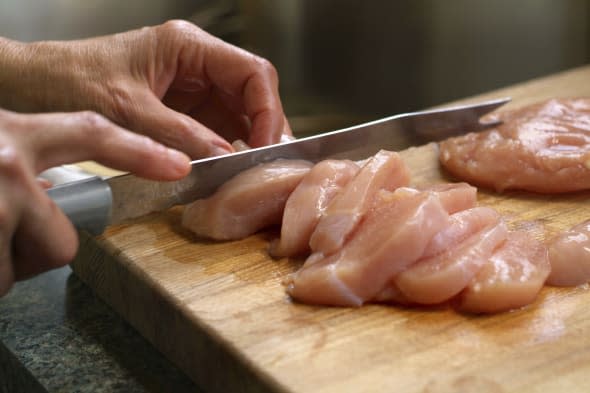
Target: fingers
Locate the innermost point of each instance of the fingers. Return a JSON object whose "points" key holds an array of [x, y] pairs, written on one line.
{"points": [[215, 114], [287, 127], [264, 111], [45, 239], [235, 72], [55, 139], [177, 130], [218, 112], [34, 235], [255, 81]]}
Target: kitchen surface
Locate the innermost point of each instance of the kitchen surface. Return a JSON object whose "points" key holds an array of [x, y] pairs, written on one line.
{"points": [[340, 62]]}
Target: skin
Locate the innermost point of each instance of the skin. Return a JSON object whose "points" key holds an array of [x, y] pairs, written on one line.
{"points": [[189, 94]]}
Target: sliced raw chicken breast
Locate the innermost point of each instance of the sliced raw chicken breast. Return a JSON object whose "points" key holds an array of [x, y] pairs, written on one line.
{"points": [[250, 201], [384, 171], [392, 294], [392, 236], [511, 278], [543, 148], [455, 196], [461, 225], [569, 254], [307, 203], [436, 279]]}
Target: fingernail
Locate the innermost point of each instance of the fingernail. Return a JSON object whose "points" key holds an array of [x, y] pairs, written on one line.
{"points": [[286, 138], [219, 151], [181, 163]]}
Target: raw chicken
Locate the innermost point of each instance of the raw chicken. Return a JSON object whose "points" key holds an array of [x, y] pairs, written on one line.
{"points": [[569, 254], [392, 294], [384, 171], [250, 201], [373, 238], [511, 278], [543, 148], [436, 279], [392, 236], [307, 203], [461, 225], [455, 196]]}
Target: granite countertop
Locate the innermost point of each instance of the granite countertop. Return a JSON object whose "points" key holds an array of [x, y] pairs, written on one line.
{"points": [[57, 336]]}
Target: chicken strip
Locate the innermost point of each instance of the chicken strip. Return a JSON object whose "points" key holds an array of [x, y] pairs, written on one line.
{"points": [[385, 170], [436, 279], [307, 203], [569, 254], [511, 278], [252, 200], [455, 196]]}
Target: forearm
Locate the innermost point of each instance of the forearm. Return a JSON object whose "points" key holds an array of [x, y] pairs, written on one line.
{"points": [[41, 76], [14, 58]]}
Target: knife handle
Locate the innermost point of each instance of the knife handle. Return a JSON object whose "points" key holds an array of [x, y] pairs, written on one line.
{"points": [[87, 203]]}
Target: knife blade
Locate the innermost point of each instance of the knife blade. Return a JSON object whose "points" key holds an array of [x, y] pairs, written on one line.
{"points": [[93, 204]]}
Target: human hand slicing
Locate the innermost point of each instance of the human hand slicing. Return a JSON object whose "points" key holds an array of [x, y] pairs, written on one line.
{"points": [[35, 235], [144, 101], [174, 83]]}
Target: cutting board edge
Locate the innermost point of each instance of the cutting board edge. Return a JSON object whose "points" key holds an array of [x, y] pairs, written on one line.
{"points": [[205, 348]]}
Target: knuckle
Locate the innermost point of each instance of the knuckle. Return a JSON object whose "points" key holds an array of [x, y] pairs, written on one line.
{"points": [[64, 256], [92, 119], [178, 135], [265, 67], [177, 25], [93, 124], [11, 121], [4, 116], [12, 164]]}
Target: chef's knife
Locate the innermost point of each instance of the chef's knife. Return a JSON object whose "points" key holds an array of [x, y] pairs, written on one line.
{"points": [[92, 204]]}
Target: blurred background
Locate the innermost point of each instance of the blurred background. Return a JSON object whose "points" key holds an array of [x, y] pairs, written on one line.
{"points": [[346, 61]]}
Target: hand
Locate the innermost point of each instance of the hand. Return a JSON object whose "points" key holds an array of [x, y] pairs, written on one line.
{"points": [[173, 82], [35, 236]]}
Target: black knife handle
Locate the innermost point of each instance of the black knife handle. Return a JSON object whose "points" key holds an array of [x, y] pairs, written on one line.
{"points": [[87, 203]]}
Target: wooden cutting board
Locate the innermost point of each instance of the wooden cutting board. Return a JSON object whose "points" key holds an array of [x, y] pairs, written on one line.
{"points": [[219, 311]]}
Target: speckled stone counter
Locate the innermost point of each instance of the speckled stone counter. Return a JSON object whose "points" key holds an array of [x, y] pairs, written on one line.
{"points": [[56, 335]]}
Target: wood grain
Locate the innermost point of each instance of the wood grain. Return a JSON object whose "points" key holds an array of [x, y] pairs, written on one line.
{"points": [[219, 311]]}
